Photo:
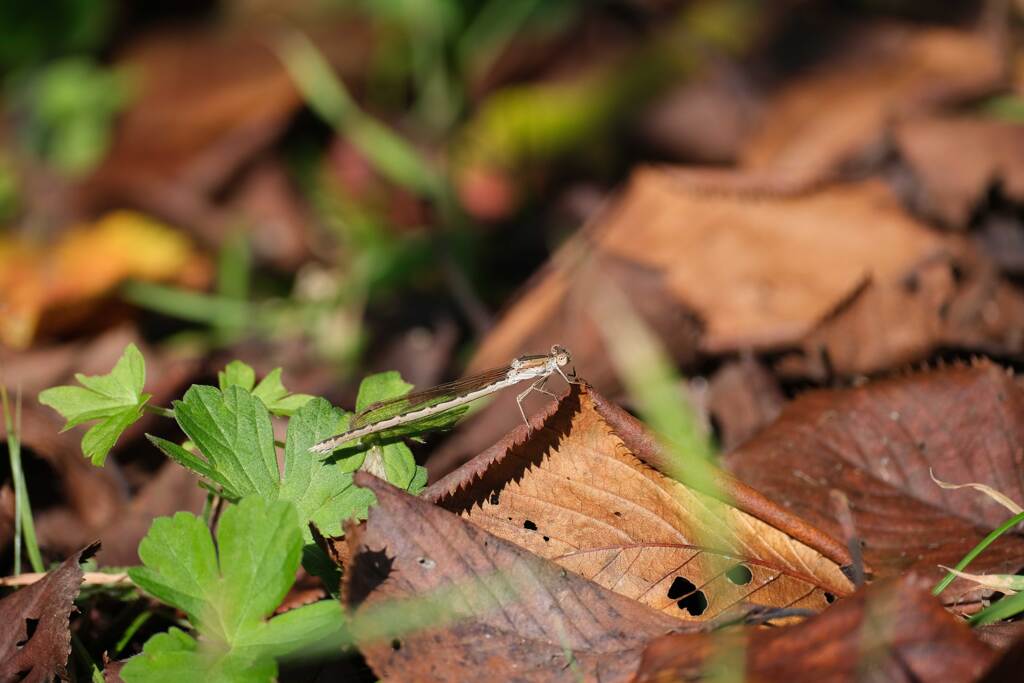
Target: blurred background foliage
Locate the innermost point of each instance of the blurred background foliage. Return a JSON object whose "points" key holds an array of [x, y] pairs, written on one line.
{"points": [[422, 159]]}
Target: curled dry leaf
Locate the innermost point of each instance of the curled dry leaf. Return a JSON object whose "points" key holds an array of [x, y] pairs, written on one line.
{"points": [[66, 279], [895, 630], [582, 491], [839, 113], [35, 642], [435, 598], [876, 444], [955, 161]]}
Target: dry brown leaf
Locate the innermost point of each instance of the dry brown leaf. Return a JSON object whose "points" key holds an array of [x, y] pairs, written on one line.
{"points": [[206, 102], [894, 631], [839, 277], [84, 265], [35, 642], [492, 606], [839, 113], [578, 492], [956, 160], [876, 444], [743, 397]]}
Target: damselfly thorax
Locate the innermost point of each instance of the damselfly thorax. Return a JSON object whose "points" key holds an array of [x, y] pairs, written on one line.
{"points": [[416, 406]]}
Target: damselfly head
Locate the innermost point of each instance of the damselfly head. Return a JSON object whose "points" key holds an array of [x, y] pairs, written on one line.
{"points": [[561, 355]]}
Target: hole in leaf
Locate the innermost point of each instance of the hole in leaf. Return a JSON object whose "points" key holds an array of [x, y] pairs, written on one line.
{"points": [[30, 630], [547, 538], [617, 513], [495, 497], [396, 645], [739, 575], [680, 587], [694, 603], [426, 562], [829, 598], [529, 525]]}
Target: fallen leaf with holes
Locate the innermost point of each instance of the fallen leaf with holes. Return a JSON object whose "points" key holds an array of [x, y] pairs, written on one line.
{"points": [[838, 279], [877, 443], [35, 642], [51, 287], [895, 630], [955, 161], [436, 598], [838, 114], [582, 491]]}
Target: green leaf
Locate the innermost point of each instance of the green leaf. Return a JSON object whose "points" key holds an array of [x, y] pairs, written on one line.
{"points": [[237, 373], [186, 459], [227, 592], [419, 481], [179, 564], [277, 399], [233, 431], [115, 399], [381, 387], [399, 464], [321, 488], [176, 656]]}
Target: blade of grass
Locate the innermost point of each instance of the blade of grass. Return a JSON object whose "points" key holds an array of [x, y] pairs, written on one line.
{"points": [[1003, 609], [140, 619], [215, 311], [975, 551], [23, 524], [327, 96]]}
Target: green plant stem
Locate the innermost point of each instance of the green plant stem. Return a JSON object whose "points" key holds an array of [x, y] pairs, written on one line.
{"points": [[985, 542], [1007, 607], [390, 154], [131, 630], [23, 523], [158, 410]]}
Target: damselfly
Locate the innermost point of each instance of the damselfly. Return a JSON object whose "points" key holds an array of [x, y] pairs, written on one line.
{"points": [[422, 404]]}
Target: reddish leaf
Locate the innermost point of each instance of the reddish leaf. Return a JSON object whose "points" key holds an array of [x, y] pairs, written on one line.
{"points": [[507, 612], [894, 631], [36, 640], [876, 444]]}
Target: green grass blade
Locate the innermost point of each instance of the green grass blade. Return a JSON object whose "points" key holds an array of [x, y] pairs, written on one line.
{"points": [[23, 524], [969, 557]]}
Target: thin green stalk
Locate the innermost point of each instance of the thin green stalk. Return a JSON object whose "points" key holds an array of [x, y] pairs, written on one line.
{"points": [[130, 632], [327, 96], [986, 542], [1003, 609], [159, 410], [215, 311], [23, 523]]}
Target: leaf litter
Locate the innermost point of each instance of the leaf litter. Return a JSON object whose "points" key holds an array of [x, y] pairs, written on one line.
{"points": [[873, 221]]}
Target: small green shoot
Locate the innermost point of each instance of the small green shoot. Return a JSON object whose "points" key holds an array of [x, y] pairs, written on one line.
{"points": [[228, 589], [23, 523], [115, 400], [975, 551]]}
